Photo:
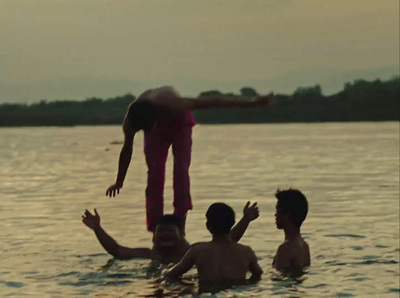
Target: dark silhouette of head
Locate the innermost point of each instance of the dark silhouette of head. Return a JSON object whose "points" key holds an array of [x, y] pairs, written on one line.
{"points": [[167, 232], [220, 219], [291, 208], [142, 115]]}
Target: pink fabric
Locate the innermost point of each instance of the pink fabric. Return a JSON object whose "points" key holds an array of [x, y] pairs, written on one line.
{"points": [[156, 145], [166, 120]]}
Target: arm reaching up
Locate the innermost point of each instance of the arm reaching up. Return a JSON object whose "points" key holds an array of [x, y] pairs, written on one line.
{"points": [[250, 213], [109, 244]]}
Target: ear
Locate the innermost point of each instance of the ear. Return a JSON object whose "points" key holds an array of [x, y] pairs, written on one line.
{"points": [[287, 217]]}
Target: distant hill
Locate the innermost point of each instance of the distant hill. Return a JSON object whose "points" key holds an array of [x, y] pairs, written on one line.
{"points": [[360, 100], [330, 80]]}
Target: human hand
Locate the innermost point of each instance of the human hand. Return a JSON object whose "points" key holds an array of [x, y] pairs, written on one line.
{"points": [[90, 220], [266, 100], [251, 212], [113, 190]]}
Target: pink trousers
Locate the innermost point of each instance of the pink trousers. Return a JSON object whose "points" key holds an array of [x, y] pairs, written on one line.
{"points": [[156, 145]]}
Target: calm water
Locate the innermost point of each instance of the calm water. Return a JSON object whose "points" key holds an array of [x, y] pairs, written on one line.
{"points": [[349, 172]]}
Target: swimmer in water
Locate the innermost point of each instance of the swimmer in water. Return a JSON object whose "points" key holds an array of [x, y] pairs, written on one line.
{"points": [[221, 260], [291, 210], [169, 243]]}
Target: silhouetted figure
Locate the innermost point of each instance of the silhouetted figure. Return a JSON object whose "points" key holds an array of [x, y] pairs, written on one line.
{"points": [[169, 243], [167, 121], [291, 210], [221, 260]]}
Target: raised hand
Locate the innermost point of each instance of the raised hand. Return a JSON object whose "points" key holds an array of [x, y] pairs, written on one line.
{"points": [[251, 212], [90, 220], [113, 190]]}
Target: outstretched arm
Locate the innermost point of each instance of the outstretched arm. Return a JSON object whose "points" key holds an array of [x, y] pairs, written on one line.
{"points": [[250, 213], [226, 102], [124, 160], [109, 244], [183, 266]]}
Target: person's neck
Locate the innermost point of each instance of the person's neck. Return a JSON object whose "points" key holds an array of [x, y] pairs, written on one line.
{"points": [[292, 232], [222, 238]]}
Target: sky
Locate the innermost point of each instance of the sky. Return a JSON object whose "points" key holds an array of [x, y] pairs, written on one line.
{"points": [[74, 49]]}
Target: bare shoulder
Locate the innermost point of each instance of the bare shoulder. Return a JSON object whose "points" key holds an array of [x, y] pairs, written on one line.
{"points": [[200, 246], [198, 243], [144, 95], [306, 244], [306, 247], [285, 248], [245, 249]]}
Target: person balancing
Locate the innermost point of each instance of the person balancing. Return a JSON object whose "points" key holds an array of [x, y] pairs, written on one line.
{"points": [[166, 119]]}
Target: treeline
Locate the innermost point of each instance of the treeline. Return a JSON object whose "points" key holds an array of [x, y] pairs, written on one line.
{"points": [[359, 101]]}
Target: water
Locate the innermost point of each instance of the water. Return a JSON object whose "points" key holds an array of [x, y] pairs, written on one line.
{"points": [[349, 172]]}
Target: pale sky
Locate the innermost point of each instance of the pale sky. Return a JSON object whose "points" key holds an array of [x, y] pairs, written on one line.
{"points": [[69, 46]]}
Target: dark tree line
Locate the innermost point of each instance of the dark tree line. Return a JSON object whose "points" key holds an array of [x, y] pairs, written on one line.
{"points": [[358, 101]]}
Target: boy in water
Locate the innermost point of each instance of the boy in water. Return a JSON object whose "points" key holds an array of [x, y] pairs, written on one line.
{"points": [[291, 211], [166, 119], [221, 260], [169, 243]]}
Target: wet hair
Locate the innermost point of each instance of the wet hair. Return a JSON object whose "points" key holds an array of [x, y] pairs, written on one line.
{"points": [[294, 203], [142, 115], [220, 218], [169, 220]]}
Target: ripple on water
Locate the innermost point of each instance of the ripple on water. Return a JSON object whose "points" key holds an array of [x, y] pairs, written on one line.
{"points": [[381, 246], [350, 228], [345, 236], [12, 284], [343, 294], [394, 290]]}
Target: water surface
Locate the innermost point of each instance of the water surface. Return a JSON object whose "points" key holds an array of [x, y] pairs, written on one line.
{"points": [[348, 171]]}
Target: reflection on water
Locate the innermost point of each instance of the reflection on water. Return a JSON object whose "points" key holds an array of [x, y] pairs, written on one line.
{"points": [[349, 172]]}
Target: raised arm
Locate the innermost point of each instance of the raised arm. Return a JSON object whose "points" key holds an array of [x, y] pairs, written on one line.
{"points": [[183, 266], [250, 213], [109, 244], [124, 160]]}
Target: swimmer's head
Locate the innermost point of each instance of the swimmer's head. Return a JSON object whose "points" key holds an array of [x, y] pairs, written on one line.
{"points": [[291, 208], [220, 219], [142, 115], [167, 232]]}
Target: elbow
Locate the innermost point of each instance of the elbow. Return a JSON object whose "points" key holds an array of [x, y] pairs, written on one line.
{"points": [[120, 255], [116, 253]]}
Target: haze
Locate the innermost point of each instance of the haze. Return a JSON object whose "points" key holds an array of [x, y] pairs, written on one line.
{"points": [[73, 49]]}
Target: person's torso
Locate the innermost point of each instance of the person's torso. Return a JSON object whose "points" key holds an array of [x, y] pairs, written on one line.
{"points": [[217, 262], [163, 98], [299, 253]]}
